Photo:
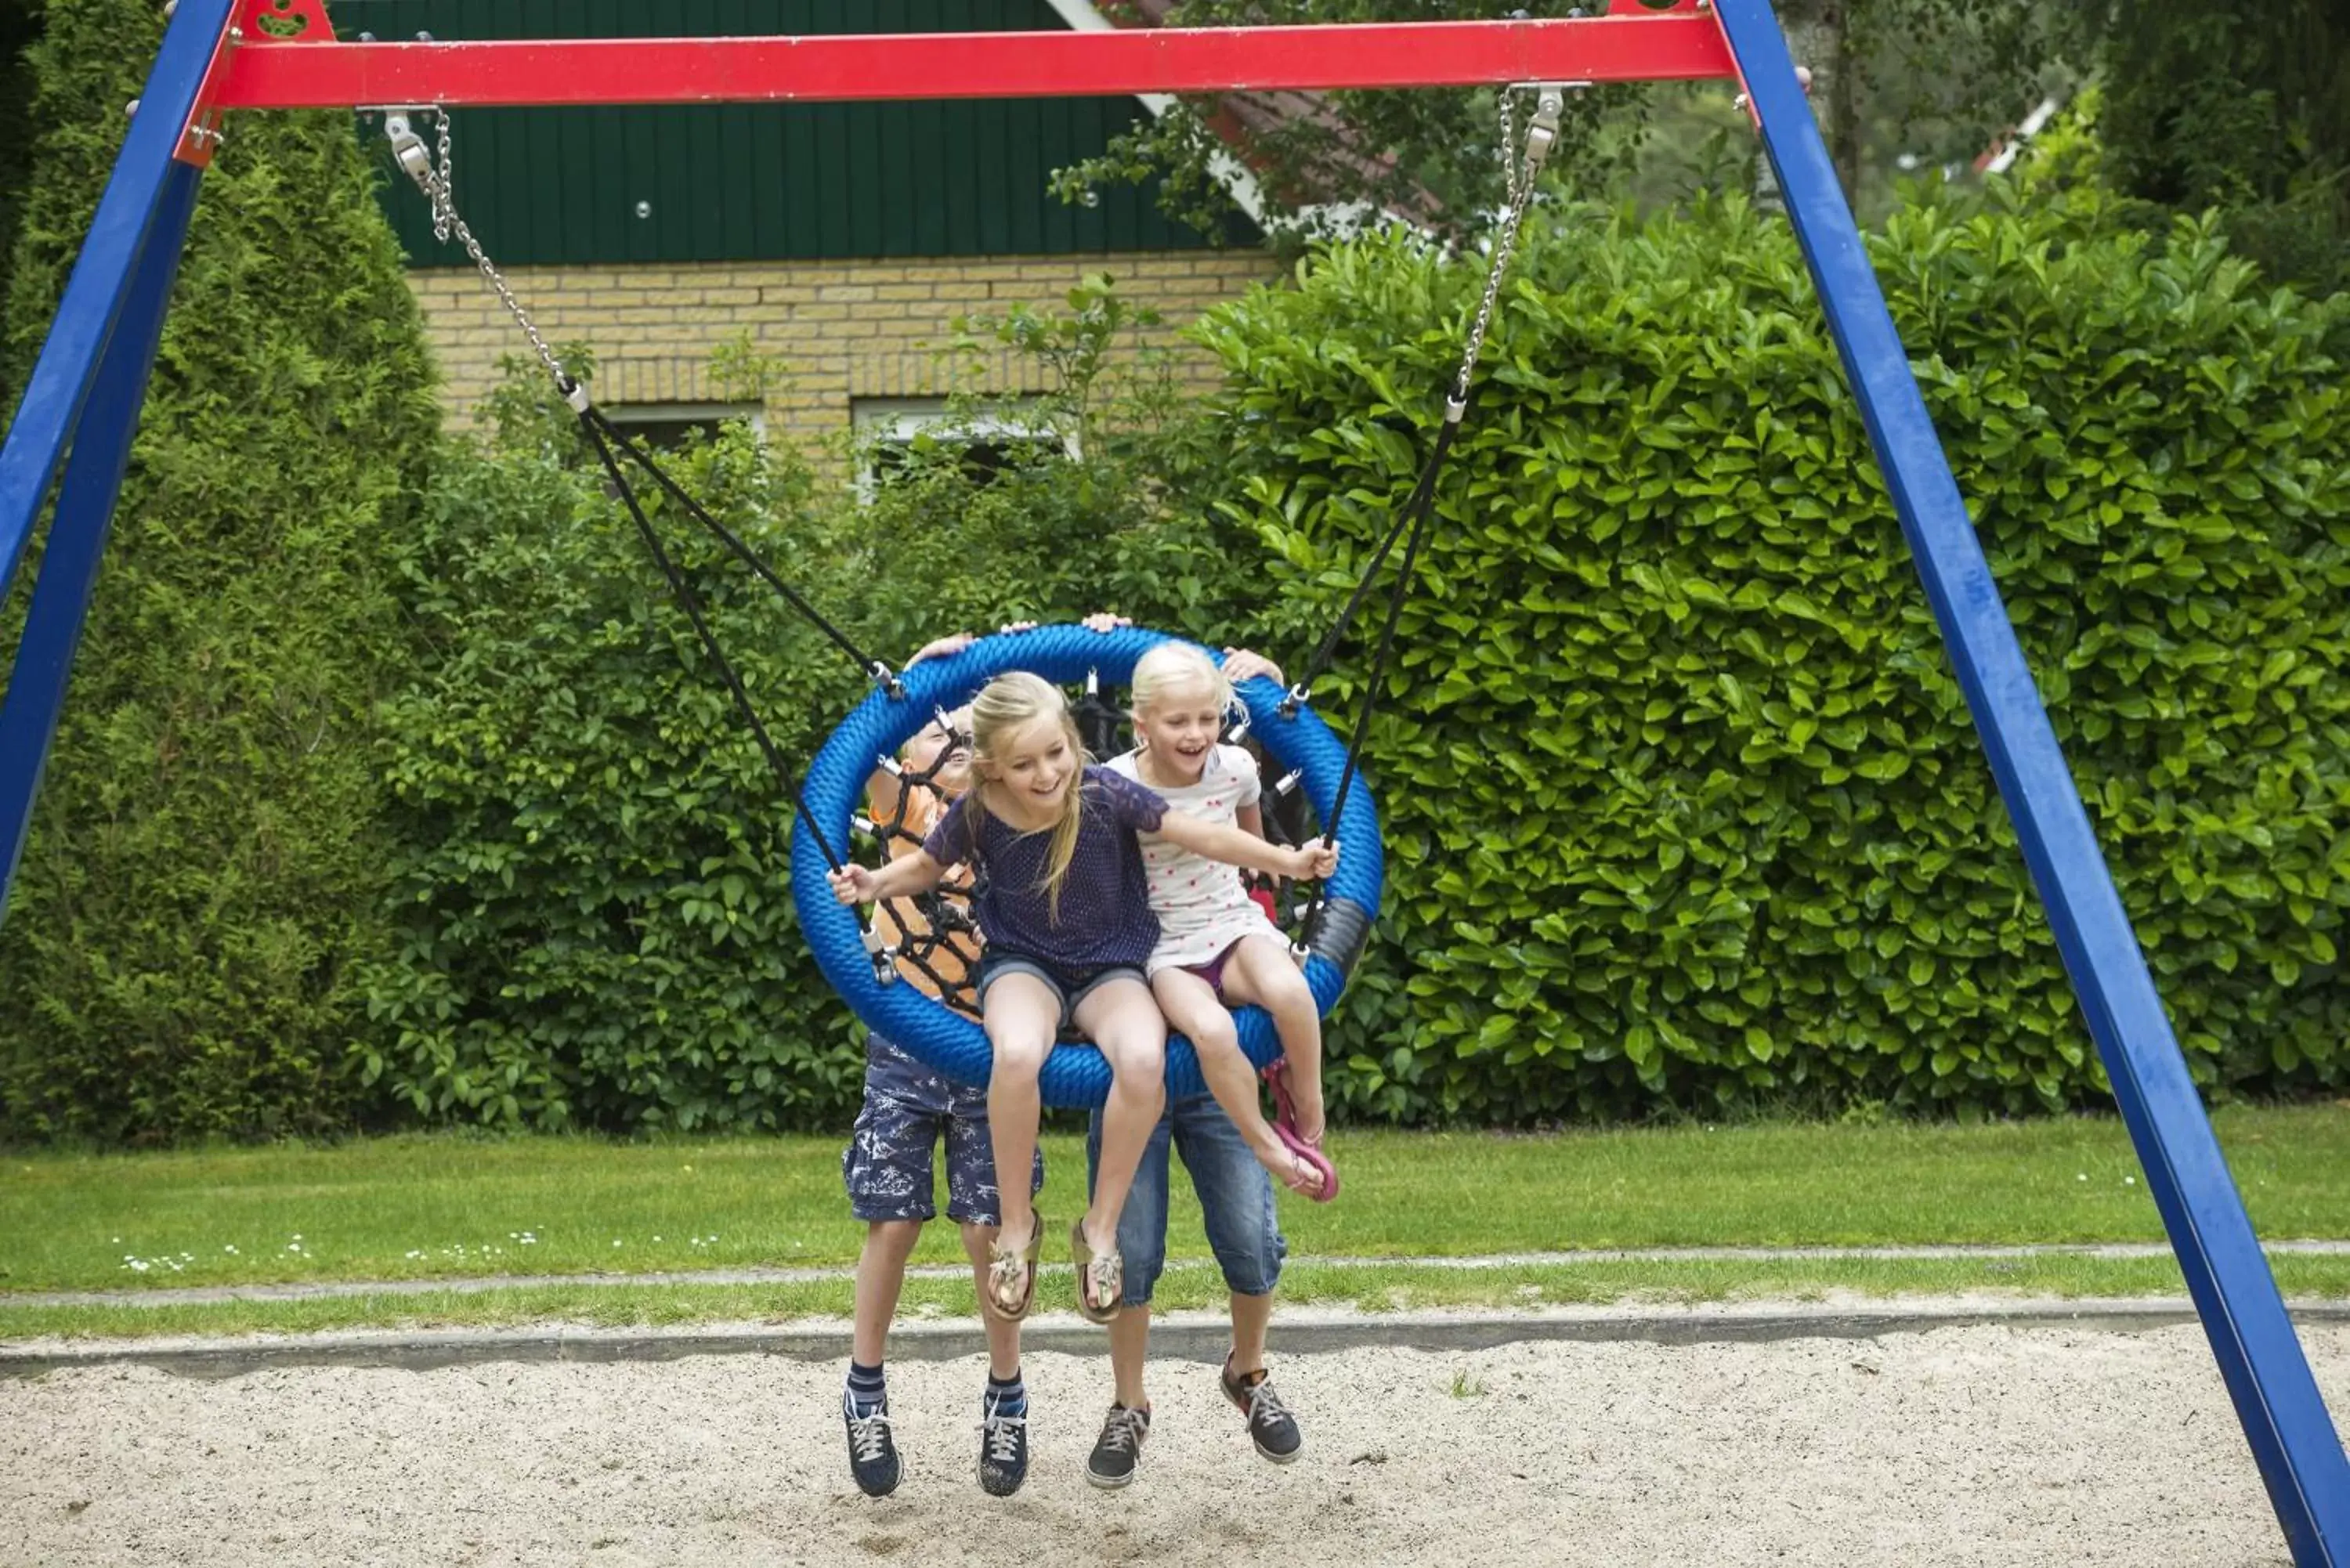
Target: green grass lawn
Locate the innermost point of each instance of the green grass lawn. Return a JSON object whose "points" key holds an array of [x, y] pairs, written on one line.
{"points": [[426, 1207]]}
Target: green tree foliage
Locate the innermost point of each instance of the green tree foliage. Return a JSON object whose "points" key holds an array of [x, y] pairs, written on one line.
{"points": [[1433, 153], [20, 24], [1111, 507], [2247, 110], [592, 873], [1683, 802], [1936, 80], [1932, 79], [205, 868]]}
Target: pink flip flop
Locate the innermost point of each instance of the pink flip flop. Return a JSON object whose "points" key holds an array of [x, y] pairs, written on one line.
{"points": [[1285, 1128]]}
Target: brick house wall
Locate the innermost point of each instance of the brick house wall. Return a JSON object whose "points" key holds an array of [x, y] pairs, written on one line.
{"points": [[844, 330]]}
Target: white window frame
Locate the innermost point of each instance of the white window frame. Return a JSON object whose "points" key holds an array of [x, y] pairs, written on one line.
{"points": [[877, 420]]}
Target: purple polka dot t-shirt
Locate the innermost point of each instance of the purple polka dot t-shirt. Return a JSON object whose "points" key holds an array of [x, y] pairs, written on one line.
{"points": [[1105, 915]]}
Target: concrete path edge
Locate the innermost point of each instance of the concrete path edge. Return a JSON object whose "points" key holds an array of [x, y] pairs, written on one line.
{"points": [[1193, 1335]]}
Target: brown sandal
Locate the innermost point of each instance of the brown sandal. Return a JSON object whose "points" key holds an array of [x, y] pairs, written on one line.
{"points": [[1101, 1277], [1011, 1275]]}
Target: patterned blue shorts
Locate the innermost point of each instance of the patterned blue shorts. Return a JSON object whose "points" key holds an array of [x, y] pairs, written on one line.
{"points": [[887, 1165]]}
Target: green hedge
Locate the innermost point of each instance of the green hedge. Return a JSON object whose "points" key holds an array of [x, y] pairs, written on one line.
{"points": [[592, 879], [205, 865], [1684, 802]]}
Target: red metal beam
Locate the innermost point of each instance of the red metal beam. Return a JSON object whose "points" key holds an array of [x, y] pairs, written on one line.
{"points": [[1684, 44]]}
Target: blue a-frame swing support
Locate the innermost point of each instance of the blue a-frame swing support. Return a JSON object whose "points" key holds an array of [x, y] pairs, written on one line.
{"points": [[87, 387]]}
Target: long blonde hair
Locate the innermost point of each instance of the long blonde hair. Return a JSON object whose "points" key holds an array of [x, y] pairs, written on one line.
{"points": [[1171, 668], [1004, 706]]}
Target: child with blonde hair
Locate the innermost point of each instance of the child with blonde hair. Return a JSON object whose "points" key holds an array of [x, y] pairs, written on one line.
{"points": [[1061, 901], [1216, 947]]}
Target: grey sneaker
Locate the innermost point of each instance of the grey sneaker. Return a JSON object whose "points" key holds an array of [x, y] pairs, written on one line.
{"points": [[1271, 1426], [872, 1452], [1119, 1447], [1003, 1448]]}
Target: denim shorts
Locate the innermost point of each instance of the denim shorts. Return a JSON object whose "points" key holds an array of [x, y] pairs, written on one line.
{"points": [[887, 1165], [1236, 1198], [1071, 985]]}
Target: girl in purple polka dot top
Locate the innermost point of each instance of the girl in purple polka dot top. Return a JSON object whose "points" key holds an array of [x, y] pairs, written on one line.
{"points": [[1063, 905]]}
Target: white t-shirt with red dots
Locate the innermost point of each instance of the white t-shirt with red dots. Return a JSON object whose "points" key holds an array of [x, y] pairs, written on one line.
{"points": [[1202, 905]]}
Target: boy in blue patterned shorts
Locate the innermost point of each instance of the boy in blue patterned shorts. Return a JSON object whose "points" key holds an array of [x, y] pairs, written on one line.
{"points": [[887, 1165]]}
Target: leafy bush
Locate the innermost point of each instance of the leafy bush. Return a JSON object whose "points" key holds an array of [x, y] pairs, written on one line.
{"points": [[593, 878], [1114, 510], [205, 867], [1683, 801]]}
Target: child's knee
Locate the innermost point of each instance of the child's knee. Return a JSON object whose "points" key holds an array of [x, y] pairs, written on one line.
{"points": [[887, 1236], [1019, 1050], [1136, 1056], [1215, 1034]]}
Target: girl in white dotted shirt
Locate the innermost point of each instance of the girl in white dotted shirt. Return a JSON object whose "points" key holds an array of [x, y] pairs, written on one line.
{"points": [[1217, 949]]}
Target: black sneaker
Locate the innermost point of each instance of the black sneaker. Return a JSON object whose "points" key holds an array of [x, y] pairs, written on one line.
{"points": [[872, 1453], [1271, 1426], [1003, 1448], [1119, 1447]]}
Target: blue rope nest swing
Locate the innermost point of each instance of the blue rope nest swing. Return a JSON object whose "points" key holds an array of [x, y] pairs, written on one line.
{"points": [[1074, 1074]]}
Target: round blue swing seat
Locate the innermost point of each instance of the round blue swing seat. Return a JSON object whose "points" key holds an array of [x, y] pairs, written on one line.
{"points": [[1075, 1074]]}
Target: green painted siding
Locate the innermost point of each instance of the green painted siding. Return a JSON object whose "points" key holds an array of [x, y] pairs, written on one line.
{"points": [[783, 181]]}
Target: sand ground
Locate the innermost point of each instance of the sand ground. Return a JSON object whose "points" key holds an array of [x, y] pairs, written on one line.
{"points": [[1960, 1446]]}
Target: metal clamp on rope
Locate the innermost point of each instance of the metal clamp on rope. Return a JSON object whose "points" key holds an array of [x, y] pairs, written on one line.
{"points": [[1296, 697], [884, 957], [1287, 783], [862, 823], [885, 678]]}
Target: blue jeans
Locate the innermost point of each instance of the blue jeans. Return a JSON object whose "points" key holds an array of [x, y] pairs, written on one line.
{"points": [[1236, 1198]]}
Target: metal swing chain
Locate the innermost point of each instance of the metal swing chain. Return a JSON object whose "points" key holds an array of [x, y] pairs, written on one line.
{"points": [[1542, 135], [442, 213], [438, 186]]}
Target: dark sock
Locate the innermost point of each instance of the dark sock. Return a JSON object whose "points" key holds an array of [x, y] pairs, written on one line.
{"points": [[1008, 1395], [865, 1387]]}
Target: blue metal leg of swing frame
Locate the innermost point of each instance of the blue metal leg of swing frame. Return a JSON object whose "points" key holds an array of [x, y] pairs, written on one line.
{"points": [[2292, 1438], [102, 451], [85, 392]]}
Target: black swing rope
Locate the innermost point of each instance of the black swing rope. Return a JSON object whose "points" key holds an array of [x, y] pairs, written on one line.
{"points": [[602, 435], [945, 920]]}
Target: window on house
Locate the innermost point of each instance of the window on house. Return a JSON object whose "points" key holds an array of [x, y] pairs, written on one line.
{"points": [[988, 440], [667, 426]]}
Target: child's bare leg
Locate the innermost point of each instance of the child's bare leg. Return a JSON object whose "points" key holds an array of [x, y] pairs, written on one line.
{"points": [[1003, 1334], [1021, 1015], [1191, 1008], [1125, 1021], [880, 1274], [1260, 971]]}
